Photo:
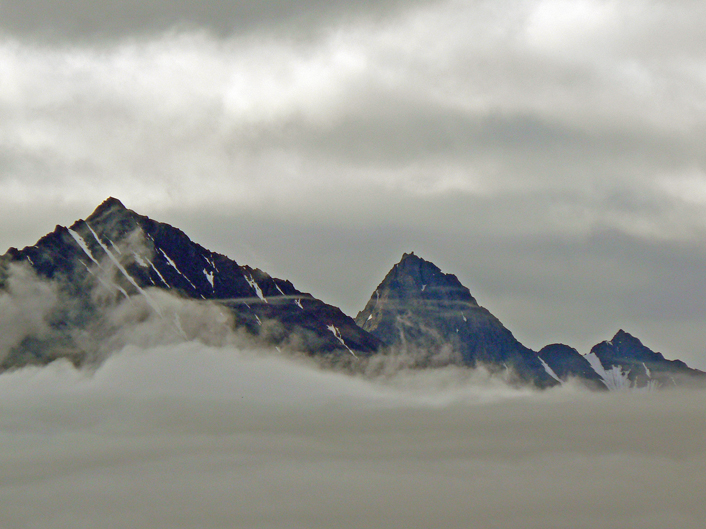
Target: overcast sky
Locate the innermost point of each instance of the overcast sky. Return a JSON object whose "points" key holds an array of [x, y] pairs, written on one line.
{"points": [[549, 153]]}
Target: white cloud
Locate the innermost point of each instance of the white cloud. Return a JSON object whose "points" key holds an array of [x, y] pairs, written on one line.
{"points": [[689, 187], [155, 118], [566, 27]]}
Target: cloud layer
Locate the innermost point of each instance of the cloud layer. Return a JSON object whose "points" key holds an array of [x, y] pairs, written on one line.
{"points": [[548, 152], [187, 435]]}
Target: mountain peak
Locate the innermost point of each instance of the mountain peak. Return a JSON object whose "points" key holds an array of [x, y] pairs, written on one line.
{"points": [[117, 254], [640, 365], [110, 203], [414, 277], [621, 335], [108, 208], [428, 313], [625, 340]]}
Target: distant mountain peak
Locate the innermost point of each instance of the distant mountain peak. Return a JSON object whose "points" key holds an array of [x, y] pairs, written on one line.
{"points": [[566, 362], [117, 254], [625, 344], [420, 309], [627, 357], [416, 278], [624, 337], [111, 202]]}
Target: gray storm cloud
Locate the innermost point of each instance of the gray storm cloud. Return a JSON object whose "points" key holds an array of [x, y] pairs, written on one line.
{"points": [[81, 20], [548, 152]]}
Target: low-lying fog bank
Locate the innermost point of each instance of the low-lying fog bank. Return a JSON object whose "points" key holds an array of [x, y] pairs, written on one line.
{"points": [[195, 436]]}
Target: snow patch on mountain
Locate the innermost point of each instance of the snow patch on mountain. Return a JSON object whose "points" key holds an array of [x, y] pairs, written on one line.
{"points": [[614, 378], [82, 244], [139, 260], [255, 287], [338, 336], [549, 370], [124, 272], [171, 263]]}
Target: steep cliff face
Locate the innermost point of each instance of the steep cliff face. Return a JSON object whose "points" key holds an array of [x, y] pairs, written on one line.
{"points": [[419, 308], [117, 254]]}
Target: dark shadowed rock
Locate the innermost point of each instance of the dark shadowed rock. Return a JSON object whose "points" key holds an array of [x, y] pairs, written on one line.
{"points": [[117, 258], [567, 363]]}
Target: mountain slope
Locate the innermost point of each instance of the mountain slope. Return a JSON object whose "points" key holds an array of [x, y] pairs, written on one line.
{"points": [[624, 361], [116, 254], [567, 363], [420, 309]]}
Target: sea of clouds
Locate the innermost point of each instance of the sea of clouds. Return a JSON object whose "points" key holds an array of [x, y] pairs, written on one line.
{"points": [[195, 435]]}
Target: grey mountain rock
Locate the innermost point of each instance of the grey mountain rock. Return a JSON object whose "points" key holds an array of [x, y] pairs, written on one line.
{"points": [[76, 277], [567, 363]]}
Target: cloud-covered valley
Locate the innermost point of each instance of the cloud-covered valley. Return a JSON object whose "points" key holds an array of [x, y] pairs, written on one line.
{"points": [[190, 435]]}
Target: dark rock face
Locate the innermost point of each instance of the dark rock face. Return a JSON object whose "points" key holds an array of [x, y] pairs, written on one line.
{"points": [[566, 363], [125, 254], [626, 356], [418, 307]]}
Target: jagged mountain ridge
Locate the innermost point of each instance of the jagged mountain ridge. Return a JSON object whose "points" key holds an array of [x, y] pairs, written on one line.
{"points": [[142, 253], [116, 254], [419, 308]]}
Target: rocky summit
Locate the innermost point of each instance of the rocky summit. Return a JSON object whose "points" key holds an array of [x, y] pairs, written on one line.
{"points": [[624, 361]]}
